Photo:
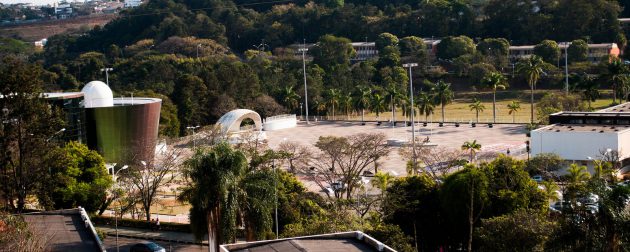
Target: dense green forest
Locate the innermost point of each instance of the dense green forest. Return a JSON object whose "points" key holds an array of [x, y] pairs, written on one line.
{"points": [[205, 58]]}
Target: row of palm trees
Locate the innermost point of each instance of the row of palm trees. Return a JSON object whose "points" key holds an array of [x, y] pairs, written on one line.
{"points": [[440, 93]]}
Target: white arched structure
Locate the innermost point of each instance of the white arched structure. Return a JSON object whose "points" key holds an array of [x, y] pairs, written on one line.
{"points": [[231, 121]]}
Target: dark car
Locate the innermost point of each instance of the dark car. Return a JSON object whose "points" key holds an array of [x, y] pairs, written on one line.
{"points": [[147, 247]]}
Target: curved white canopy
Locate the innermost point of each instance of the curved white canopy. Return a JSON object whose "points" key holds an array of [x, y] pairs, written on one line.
{"points": [[231, 121]]}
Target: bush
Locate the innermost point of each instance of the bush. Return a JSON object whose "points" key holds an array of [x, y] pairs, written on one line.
{"points": [[141, 224]]}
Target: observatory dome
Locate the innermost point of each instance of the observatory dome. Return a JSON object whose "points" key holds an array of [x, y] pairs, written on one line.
{"points": [[97, 94]]}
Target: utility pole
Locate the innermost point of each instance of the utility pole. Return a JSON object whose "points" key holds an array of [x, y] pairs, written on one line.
{"points": [[304, 50], [193, 131], [106, 70], [566, 67], [413, 129]]}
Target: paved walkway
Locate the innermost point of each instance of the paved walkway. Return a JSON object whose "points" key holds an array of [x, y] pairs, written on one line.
{"points": [[171, 236]]}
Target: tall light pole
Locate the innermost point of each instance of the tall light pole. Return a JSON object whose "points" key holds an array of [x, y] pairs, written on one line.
{"points": [[304, 50], [198, 45], [413, 122], [115, 177], [193, 131], [275, 192], [106, 70], [566, 66]]}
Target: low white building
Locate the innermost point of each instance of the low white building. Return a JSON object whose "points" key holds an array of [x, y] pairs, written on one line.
{"points": [[580, 135], [132, 3]]}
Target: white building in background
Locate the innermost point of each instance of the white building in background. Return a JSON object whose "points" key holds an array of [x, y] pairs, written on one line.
{"points": [[132, 3], [579, 135]]}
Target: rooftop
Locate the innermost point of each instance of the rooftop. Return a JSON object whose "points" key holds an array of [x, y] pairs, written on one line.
{"points": [[347, 241], [67, 95], [66, 229], [134, 101], [621, 108], [585, 128]]}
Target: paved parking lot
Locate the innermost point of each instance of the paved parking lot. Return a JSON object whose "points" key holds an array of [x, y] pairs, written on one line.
{"points": [[497, 139]]}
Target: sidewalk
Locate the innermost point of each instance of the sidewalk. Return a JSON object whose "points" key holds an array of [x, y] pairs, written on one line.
{"points": [[169, 236]]}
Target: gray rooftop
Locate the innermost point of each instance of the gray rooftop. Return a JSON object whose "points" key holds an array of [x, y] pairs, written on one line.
{"points": [[66, 230], [337, 242]]}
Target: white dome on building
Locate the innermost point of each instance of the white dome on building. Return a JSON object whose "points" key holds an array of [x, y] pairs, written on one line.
{"points": [[97, 94]]}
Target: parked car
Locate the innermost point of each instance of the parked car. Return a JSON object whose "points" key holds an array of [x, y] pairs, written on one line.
{"points": [[147, 247], [537, 178], [589, 199]]}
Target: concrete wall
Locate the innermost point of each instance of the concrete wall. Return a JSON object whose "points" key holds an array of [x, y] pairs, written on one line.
{"points": [[279, 122], [578, 145]]}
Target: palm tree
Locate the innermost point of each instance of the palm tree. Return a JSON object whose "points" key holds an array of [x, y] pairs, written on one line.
{"points": [[362, 99], [290, 98], [588, 87], [472, 147], [425, 104], [334, 95], [477, 106], [577, 174], [319, 106], [531, 68], [346, 104], [381, 181], [617, 74], [513, 107], [378, 104], [443, 95], [221, 189], [550, 189], [494, 80], [392, 95]]}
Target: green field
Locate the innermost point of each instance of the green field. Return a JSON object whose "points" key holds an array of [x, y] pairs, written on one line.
{"points": [[458, 111]]}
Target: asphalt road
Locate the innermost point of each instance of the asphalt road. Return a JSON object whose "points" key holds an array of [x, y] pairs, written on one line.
{"points": [[126, 243]]}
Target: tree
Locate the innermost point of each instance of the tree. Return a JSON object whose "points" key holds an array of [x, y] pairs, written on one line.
{"points": [[453, 47], [443, 94], [77, 177], [549, 51], [334, 96], [578, 51], [426, 104], [28, 123], [550, 189], [381, 181], [332, 52], [531, 68], [477, 106], [220, 189], [513, 107], [555, 102], [363, 98], [290, 98], [494, 81], [153, 175], [413, 49], [378, 104], [617, 74], [342, 160], [523, 230], [463, 197], [472, 148], [545, 164], [497, 49], [384, 40], [412, 203], [588, 88], [346, 104]]}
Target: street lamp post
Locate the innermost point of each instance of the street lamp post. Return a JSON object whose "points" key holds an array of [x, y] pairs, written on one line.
{"points": [[304, 50], [193, 131], [275, 192], [198, 45], [413, 122], [115, 177], [106, 70], [566, 66], [55, 134]]}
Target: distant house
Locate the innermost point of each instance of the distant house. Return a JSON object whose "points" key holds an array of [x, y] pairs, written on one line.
{"points": [[596, 52], [132, 3], [355, 241], [63, 10]]}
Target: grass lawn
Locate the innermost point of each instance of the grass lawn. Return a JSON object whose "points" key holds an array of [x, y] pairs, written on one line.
{"points": [[459, 111]]}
